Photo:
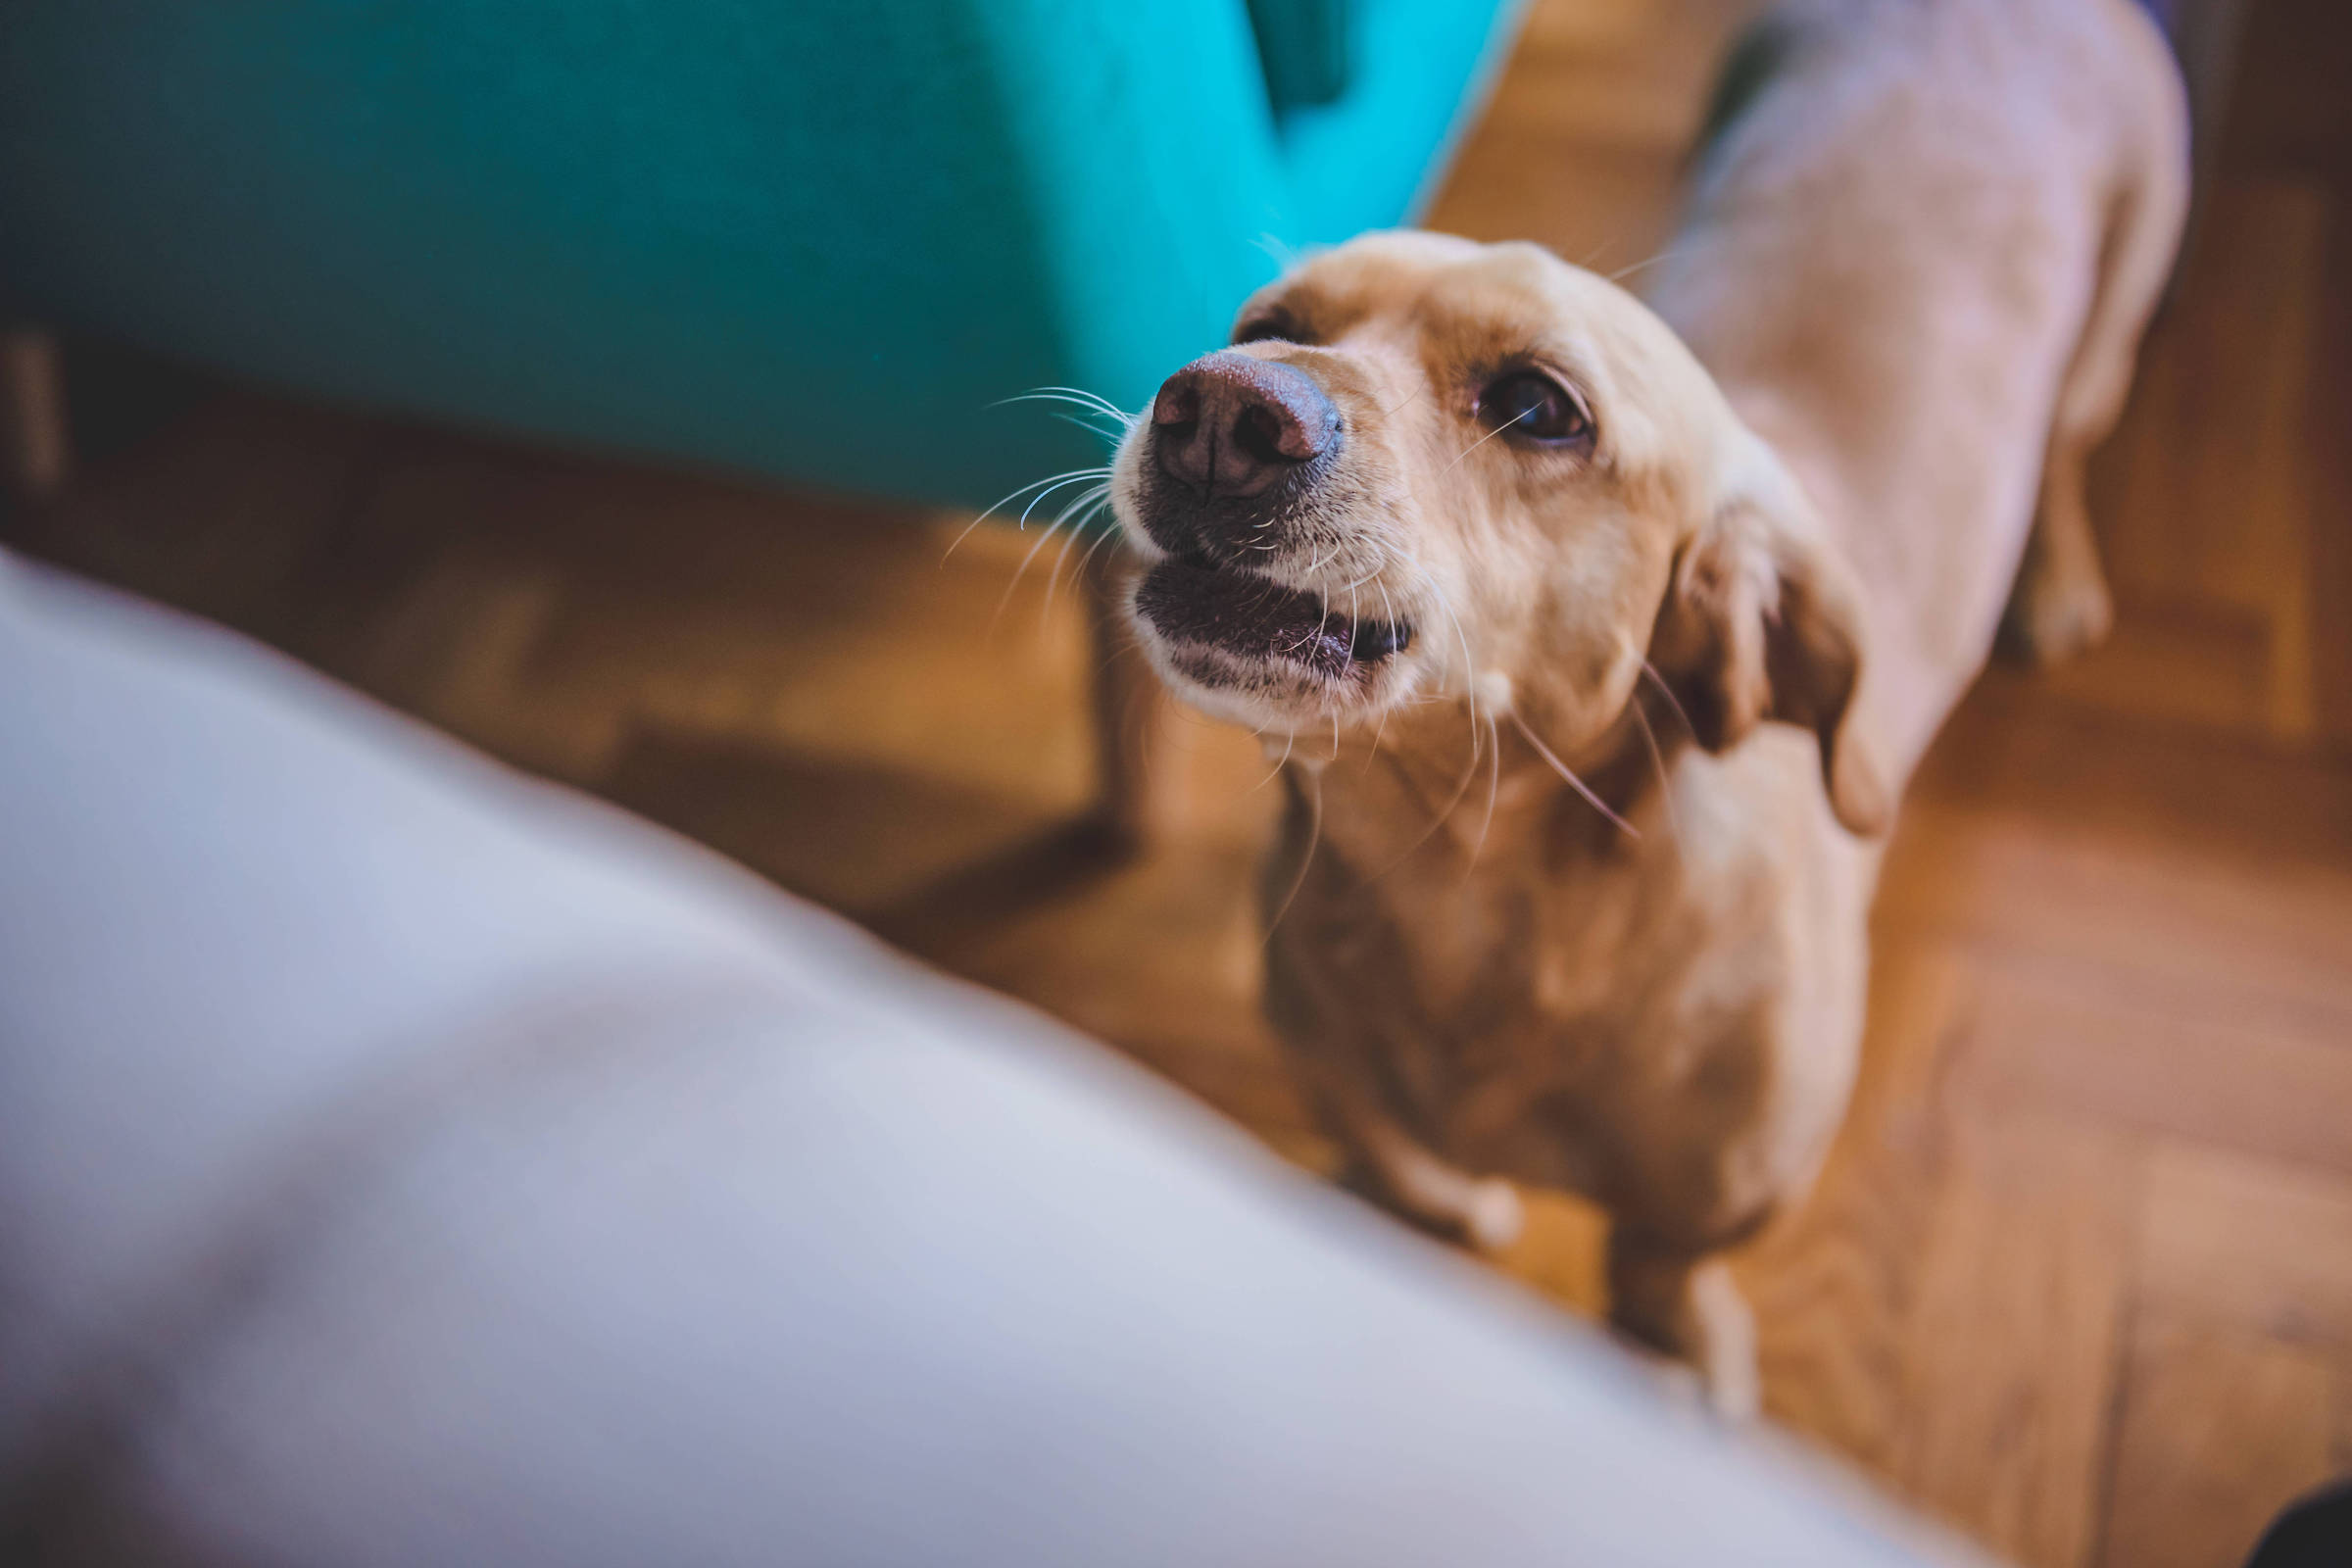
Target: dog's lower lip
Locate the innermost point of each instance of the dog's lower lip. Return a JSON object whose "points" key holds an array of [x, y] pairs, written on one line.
{"points": [[1375, 640], [1240, 613]]}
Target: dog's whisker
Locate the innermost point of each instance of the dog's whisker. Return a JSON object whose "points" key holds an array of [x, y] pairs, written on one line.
{"points": [[1021, 572], [1575, 783], [1103, 536], [1087, 425], [1265, 750], [1312, 790], [1407, 402], [1489, 436], [1664, 690], [1054, 581], [1657, 760], [1486, 820], [1061, 518], [1070, 394], [1093, 407], [1369, 575], [1045, 608], [1277, 249], [1050, 479], [1088, 505], [1469, 680], [1680, 248], [1443, 813], [1080, 478], [1469, 664]]}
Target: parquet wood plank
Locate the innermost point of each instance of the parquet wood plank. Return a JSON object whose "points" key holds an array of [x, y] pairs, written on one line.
{"points": [[2086, 772], [2217, 430], [2255, 1246], [2217, 1433], [2131, 1051], [2011, 1348], [1584, 143], [2342, 1453], [2323, 431], [1835, 1283], [1998, 878]]}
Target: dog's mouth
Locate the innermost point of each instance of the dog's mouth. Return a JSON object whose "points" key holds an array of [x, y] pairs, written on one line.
{"points": [[1226, 626]]}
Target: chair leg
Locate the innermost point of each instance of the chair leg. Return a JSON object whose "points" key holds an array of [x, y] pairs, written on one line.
{"points": [[1136, 763], [2205, 35], [35, 455]]}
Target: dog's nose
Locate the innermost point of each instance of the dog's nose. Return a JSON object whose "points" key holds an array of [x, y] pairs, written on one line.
{"points": [[1231, 425]]}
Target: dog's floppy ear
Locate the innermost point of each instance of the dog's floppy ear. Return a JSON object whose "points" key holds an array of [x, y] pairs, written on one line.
{"points": [[1763, 619]]}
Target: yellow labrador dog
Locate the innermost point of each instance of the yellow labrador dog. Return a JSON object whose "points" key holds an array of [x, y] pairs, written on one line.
{"points": [[1515, 571]]}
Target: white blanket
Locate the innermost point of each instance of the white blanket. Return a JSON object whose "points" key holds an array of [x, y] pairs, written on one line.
{"points": [[404, 1162]]}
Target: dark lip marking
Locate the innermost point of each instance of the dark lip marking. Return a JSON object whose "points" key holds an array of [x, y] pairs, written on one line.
{"points": [[1259, 620]]}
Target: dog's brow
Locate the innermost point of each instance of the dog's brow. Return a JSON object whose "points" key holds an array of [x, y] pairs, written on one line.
{"points": [[1572, 355], [1489, 336], [1301, 307]]}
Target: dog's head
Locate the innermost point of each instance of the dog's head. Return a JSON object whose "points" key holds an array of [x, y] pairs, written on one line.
{"points": [[1434, 472]]}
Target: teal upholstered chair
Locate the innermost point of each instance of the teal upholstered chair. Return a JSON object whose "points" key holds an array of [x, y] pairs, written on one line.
{"points": [[814, 239], [764, 235]]}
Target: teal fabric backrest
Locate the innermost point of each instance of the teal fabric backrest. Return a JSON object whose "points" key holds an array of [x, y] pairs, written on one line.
{"points": [[1304, 45], [818, 240]]}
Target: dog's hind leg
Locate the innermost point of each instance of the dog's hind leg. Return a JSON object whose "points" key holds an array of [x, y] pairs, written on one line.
{"points": [[2060, 605]]}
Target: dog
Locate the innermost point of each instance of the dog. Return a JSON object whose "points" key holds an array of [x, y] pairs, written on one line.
{"points": [[1599, 638]]}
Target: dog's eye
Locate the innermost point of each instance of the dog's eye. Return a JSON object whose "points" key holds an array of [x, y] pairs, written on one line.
{"points": [[1531, 406], [1269, 326]]}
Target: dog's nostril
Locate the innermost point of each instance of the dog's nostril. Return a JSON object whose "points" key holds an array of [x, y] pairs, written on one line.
{"points": [[1259, 433], [1177, 404]]}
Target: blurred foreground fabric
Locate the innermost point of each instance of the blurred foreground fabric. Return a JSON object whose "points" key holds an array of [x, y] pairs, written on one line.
{"points": [[403, 1162]]}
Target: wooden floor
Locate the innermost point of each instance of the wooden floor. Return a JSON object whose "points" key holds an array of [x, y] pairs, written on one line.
{"points": [[2078, 1276]]}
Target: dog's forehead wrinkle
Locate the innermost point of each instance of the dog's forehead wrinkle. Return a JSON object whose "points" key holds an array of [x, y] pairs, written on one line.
{"points": [[1382, 274]]}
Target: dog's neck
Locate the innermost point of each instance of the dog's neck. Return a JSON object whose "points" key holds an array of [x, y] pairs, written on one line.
{"points": [[1461, 791]]}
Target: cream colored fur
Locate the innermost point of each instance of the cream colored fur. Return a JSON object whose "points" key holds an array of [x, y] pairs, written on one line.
{"points": [[1905, 305]]}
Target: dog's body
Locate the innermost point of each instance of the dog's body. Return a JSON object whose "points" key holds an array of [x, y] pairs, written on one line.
{"points": [[1523, 929], [1919, 266]]}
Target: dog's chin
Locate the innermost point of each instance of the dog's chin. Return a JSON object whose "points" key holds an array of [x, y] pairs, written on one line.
{"points": [[1243, 647]]}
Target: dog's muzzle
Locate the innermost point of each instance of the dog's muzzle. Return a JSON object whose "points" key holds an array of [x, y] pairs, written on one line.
{"points": [[1237, 444]]}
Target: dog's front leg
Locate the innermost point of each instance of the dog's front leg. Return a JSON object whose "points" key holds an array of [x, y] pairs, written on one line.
{"points": [[1397, 1170], [1335, 1054], [1687, 1305]]}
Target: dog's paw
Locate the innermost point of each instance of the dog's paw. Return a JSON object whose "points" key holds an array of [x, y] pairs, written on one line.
{"points": [[1731, 1395], [1735, 1390], [2055, 615], [1726, 1346], [1496, 1215]]}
